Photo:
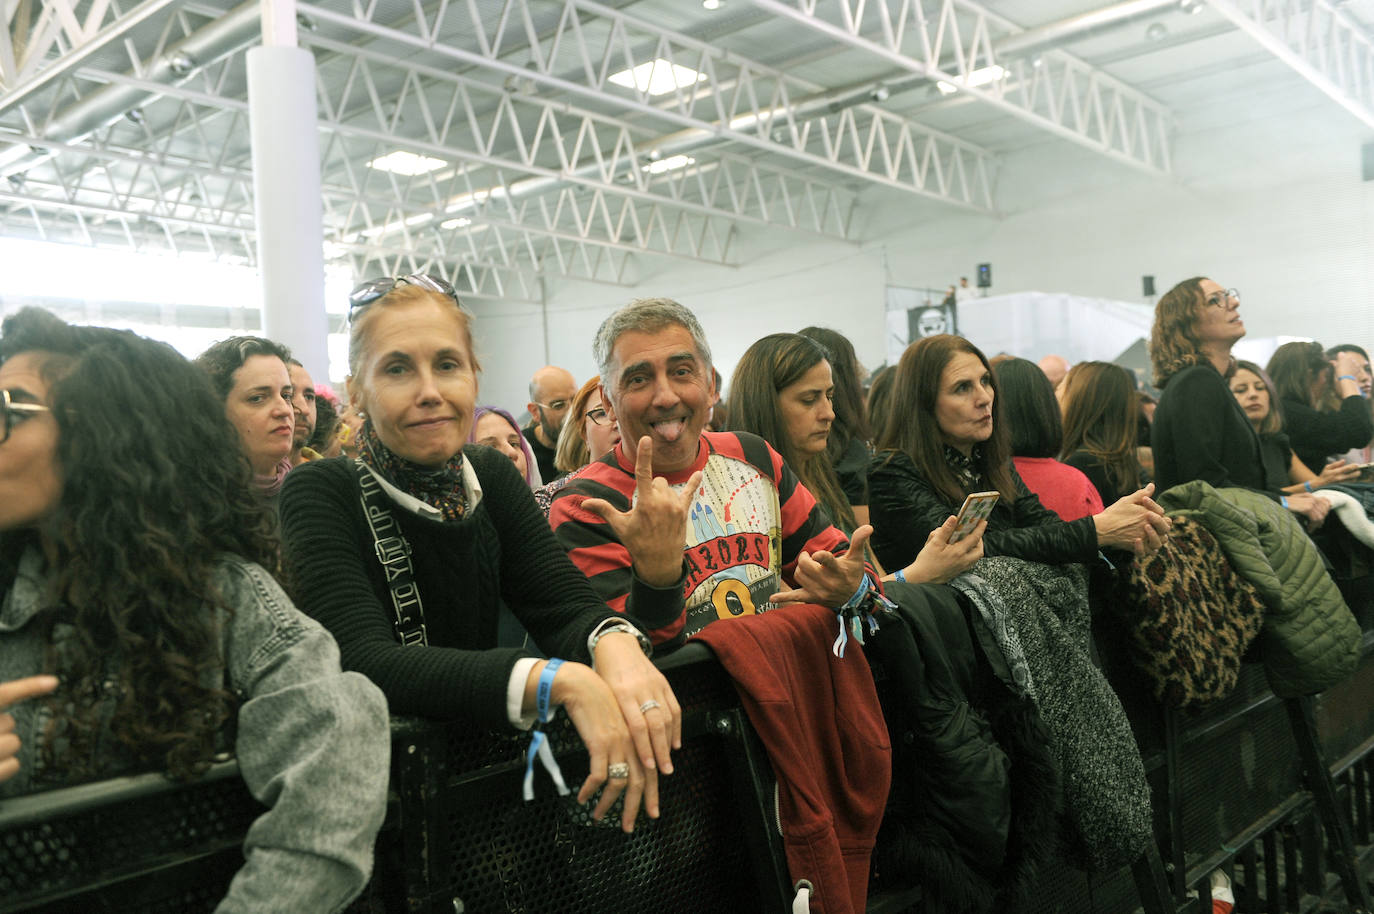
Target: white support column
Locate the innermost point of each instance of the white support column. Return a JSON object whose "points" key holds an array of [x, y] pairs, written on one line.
{"points": [[286, 188]]}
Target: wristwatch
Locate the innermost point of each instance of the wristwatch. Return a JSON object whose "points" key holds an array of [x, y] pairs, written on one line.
{"points": [[644, 644]]}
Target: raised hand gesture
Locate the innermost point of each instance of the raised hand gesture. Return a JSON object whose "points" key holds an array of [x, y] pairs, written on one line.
{"points": [[654, 530], [826, 579]]}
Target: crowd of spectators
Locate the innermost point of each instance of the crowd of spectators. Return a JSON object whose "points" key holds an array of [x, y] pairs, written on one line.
{"points": [[235, 558]]}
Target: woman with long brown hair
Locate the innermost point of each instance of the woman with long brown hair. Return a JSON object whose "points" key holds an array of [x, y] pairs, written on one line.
{"points": [[1306, 383], [950, 444], [1102, 426]]}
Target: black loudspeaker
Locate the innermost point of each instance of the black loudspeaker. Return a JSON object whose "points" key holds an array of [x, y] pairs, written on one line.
{"points": [[985, 276], [1147, 286]]}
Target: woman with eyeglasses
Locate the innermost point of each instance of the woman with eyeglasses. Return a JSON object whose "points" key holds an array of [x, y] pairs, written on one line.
{"points": [[250, 375], [132, 549], [588, 434], [460, 535], [1305, 381], [1200, 432], [493, 427]]}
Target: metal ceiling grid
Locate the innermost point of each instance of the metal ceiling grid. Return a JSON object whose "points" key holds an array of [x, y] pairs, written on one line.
{"points": [[126, 123]]}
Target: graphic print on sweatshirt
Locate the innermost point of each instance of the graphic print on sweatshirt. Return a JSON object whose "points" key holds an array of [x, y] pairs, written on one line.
{"points": [[734, 543]]}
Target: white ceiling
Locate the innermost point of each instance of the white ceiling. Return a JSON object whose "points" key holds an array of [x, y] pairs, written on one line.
{"points": [[127, 124]]}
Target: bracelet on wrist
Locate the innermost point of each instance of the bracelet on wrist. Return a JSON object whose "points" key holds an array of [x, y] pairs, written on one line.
{"points": [[644, 644], [1283, 500], [539, 741], [1307, 485], [901, 576]]}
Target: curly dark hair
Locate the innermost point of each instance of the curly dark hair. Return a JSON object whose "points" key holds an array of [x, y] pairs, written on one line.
{"points": [[225, 357], [155, 491]]}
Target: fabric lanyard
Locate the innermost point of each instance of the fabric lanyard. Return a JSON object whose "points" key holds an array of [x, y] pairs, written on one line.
{"points": [[539, 742], [394, 553]]}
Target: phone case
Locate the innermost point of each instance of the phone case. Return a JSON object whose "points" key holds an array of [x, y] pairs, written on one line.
{"points": [[976, 507]]}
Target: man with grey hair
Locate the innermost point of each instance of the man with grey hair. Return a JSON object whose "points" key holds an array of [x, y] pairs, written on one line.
{"points": [[679, 526], [682, 527], [551, 393]]}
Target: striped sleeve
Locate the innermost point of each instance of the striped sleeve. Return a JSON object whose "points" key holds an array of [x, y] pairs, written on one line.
{"points": [[595, 549]]}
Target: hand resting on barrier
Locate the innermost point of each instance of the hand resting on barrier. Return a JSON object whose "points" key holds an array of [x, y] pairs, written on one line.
{"points": [[596, 713], [11, 693]]}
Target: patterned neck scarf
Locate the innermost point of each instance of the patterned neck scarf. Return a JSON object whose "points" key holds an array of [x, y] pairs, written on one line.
{"points": [[269, 484], [965, 468], [441, 488]]}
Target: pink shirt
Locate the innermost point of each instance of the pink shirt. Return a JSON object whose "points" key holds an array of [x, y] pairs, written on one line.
{"points": [[1061, 488]]}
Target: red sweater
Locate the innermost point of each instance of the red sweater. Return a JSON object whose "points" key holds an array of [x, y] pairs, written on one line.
{"points": [[819, 717]]}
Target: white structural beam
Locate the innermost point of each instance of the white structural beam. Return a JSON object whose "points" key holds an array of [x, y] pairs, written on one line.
{"points": [[574, 47], [27, 61], [1316, 39], [954, 42]]}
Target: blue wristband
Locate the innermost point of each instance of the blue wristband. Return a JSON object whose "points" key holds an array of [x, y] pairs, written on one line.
{"points": [[546, 689], [1283, 500], [539, 741], [1307, 485], [900, 576]]}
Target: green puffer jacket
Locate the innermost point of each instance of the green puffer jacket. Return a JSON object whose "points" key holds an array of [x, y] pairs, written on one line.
{"points": [[1310, 639]]}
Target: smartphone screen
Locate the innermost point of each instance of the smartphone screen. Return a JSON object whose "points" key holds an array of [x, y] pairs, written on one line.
{"points": [[975, 508]]}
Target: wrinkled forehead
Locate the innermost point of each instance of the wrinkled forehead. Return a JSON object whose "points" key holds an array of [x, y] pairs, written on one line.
{"points": [[637, 348]]}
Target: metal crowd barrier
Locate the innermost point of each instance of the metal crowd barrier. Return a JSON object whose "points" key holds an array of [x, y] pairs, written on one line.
{"points": [[1233, 787]]}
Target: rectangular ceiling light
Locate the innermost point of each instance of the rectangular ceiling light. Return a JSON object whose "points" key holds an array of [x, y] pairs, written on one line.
{"points": [[659, 166], [657, 77], [980, 77], [460, 222], [406, 163]]}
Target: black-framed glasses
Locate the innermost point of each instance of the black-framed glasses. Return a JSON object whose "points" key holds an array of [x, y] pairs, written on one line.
{"points": [[16, 412], [1223, 298], [598, 416], [368, 292]]}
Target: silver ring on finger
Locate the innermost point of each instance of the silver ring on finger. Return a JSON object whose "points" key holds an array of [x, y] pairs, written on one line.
{"points": [[648, 706], [620, 771]]}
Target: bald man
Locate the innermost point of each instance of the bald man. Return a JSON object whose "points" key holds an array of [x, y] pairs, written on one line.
{"points": [[1054, 367], [551, 393]]}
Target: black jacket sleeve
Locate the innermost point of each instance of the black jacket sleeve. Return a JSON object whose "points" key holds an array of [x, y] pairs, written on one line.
{"points": [[1316, 435], [905, 507]]}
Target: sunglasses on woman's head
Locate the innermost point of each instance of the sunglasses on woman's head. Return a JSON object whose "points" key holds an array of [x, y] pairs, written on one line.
{"points": [[16, 412], [368, 292]]}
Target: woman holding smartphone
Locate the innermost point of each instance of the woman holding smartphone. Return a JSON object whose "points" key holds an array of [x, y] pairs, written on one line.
{"points": [[949, 445]]}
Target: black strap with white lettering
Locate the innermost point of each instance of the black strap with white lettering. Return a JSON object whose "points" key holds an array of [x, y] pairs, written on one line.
{"points": [[394, 553]]}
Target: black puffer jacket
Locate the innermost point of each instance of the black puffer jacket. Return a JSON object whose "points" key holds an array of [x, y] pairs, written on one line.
{"points": [[975, 790], [904, 507]]}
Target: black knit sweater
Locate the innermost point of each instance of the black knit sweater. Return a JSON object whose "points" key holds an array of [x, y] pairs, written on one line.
{"points": [[502, 549]]}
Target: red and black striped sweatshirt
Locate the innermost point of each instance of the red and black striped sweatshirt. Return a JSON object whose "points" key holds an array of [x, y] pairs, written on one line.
{"points": [[749, 521]]}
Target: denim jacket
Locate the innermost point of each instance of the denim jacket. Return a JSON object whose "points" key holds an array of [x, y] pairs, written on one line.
{"points": [[313, 743]]}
